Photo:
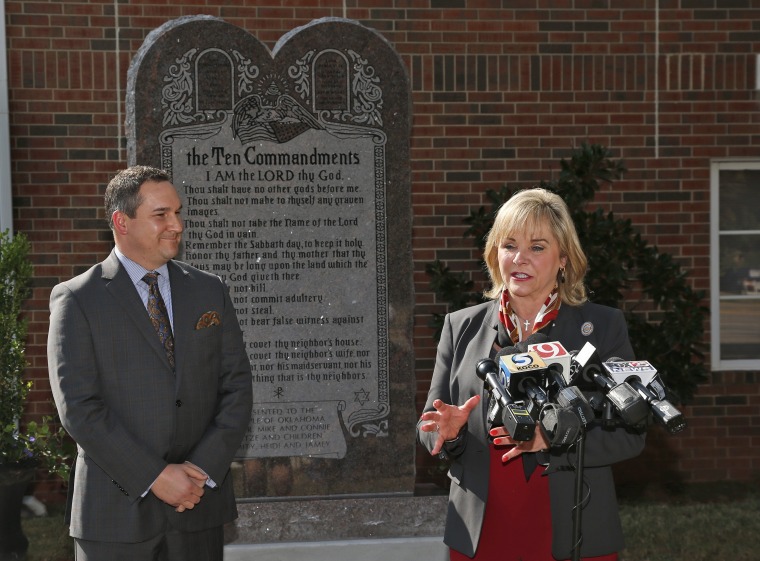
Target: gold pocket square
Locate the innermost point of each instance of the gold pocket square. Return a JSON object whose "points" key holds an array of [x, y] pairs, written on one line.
{"points": [[208, 319]]}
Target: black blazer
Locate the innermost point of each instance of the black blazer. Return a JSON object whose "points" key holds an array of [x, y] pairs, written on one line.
{"points": [[467, 337]]}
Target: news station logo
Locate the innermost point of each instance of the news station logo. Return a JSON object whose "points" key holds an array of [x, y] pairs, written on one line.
{"points": [[631, 366], [550, 350], [523, 361], [621, 371], [553, 353]]}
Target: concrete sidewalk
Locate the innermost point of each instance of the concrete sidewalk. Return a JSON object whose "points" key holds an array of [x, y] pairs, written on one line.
{"points": [[389, 549]]}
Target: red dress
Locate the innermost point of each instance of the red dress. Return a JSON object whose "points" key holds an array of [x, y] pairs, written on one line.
{"points": [[517, 522]]}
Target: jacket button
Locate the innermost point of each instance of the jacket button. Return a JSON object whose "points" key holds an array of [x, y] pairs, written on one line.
{"points": [[178, 403]]}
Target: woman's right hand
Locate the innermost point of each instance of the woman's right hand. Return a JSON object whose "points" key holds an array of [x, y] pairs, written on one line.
{"points": [[447, 420]]}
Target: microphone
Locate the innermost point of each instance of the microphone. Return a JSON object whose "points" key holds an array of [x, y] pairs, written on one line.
{"points": [[621, 370], [561, 425], [524, 375], [524, 372], [515, 419], [636, 375], [558, 376], [586, 368], [658, 387], [565, 417]]}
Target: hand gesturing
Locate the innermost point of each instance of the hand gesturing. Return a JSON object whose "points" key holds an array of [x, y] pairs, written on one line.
{"points": [[447, 420]]}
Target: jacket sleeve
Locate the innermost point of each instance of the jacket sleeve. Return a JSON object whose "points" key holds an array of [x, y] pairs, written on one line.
{"points": [[441, 388], [75, 382]]}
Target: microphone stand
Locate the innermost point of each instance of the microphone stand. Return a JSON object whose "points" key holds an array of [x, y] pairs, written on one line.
{"points": [[577, 514]]}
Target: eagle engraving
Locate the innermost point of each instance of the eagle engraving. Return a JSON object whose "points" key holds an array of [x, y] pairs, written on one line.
{"points": [[273, 116]]}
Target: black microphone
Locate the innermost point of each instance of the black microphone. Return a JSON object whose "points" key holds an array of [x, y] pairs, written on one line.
{"points": [[560, 425], [524, 374], [586, 368], [557, 361], [520, 387], [568, 412], [515, 419]]}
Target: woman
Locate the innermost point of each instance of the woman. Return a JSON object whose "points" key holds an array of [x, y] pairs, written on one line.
{"points": [[502, 504]]}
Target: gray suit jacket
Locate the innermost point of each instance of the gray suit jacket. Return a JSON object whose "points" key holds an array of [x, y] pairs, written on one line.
{"points": [[467, 337], [130, 414]]}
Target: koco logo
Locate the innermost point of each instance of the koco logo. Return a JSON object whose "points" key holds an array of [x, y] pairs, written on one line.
{"points": [[519, 362], [522, 360]]}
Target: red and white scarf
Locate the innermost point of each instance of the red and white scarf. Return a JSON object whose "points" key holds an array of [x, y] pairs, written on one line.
{"points": [[546, 314]]}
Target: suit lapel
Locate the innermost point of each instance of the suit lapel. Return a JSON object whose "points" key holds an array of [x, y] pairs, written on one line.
{"points": [[489, 333], [566, 328], [120, 287]]}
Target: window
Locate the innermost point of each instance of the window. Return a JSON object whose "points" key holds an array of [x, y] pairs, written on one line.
{"points": [[735, 264]]}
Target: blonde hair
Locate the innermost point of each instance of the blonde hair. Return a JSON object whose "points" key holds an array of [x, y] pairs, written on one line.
{"points": [[527, 211]]}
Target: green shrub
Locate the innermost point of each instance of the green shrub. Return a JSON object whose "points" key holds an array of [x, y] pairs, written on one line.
{"points": [[32, 444]]}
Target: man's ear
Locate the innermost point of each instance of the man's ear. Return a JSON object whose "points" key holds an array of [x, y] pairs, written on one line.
{"points": [[120, 221]]}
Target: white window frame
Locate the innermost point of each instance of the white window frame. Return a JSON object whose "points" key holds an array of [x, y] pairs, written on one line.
{"points": [[716, 166]]}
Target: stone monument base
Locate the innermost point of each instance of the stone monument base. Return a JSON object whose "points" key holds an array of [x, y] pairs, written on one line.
{"points": [[358, 529]]}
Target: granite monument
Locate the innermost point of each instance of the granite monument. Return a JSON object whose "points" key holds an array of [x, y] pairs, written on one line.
{"points": [[293, 170]]}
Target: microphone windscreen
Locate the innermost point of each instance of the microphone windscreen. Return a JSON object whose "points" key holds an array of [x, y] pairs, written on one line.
{"points": [[533, 339], [506, 351], [485, 366], [536, 339]]}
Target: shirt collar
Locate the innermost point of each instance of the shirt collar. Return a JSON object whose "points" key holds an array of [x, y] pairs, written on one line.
{"points": [[136, 271]]}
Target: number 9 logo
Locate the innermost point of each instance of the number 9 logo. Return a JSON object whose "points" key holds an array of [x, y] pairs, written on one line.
{"points": [[549, 350]]}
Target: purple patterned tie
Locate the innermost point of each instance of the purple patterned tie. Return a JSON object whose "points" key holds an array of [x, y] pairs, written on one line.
{"points": [[159, 317]]}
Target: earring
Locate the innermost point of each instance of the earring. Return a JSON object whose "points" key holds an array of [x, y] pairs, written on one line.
{"points": [[562, 274]]}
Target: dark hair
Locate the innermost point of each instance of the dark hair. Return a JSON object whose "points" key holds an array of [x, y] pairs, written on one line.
{"points": [[123, 191]]}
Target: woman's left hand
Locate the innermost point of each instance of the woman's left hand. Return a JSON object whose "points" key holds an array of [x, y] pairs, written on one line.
{"points": [[536, 444]]}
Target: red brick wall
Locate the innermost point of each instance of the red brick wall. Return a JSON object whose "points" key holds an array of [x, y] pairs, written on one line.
{"points": [[500, 95]]}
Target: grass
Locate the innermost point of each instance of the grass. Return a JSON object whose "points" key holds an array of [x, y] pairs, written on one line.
{"points": [[700, 522], [48, 537]]}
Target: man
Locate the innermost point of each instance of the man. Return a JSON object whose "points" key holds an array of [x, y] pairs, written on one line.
{"points": [[151, 379]]}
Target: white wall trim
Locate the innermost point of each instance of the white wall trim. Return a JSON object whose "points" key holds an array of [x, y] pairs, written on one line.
{"points": [[6, 202]]}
